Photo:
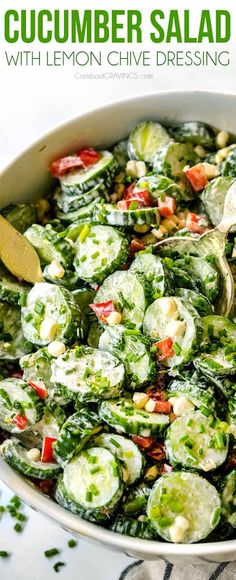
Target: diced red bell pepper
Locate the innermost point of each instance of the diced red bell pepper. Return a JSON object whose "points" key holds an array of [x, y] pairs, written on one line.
{"points": [[144, 442], [88, 156], [157, 452], [163, 407], [83, 158], [17, 374], [20, 421], [39, 388], [129, 189], [165, 347], [103, 309], [64, 165], [136, 246], [166, 206], [193, 223], [197, 177], [47, 450], [142, 197]]}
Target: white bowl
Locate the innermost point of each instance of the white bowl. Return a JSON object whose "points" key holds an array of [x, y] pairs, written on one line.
{"points": [[27, 178]]}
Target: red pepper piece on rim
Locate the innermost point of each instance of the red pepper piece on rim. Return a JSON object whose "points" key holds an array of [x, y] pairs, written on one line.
{"points": [[39, 388], [20, 421], [103, 309], [47, 450]]}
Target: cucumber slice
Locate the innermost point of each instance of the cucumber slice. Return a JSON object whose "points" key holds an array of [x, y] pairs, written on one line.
{"points": [[85, 179], [130, 295], [70, 203], [64, 500], [188, 495], [20, 216], [159, 185], [213, 198], [228, 498], [218, 328], [183, 326], [123, 416], [70, 280], [13, 345], [171, 160], [109, 214], [36, 367], [136, 501], [17, 456], [84, 297], [156, 273], [120, 153], [80, 216], [204, 272], [133, 528], [194, 132], [49, 245], [216, 363], [146, 139], [50, 302], [200, 395], [74, 435], [192, 442], [94, 333], [92, 481], [88, 374], [103, 251], [16, 397], [231, 417], [127, 453], [198, 301], [229, 165], [10, 288], [133, 351]]}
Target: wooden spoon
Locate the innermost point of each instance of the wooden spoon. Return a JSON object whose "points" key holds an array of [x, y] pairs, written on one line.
{"points": [[212, 242], [17, 254]]}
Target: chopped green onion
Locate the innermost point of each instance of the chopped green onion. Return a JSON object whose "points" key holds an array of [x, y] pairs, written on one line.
{"points": [[18, 528], [58, 565], [72, 543], [4, 554], [84, 233], [52, 552]]}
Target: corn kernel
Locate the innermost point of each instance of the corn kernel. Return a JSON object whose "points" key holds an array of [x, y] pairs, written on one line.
{"points": [[34, 454], [141, 169], [56, 270], [200, 151], [56, 348], [168, 224], [48, 329], [140, 400], [114, 318], [141, 229], [150, 406], [222, 139], [211, 171], [151, 473]]}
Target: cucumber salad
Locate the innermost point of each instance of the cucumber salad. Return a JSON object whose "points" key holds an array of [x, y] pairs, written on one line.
{"points": [[117, 372]]}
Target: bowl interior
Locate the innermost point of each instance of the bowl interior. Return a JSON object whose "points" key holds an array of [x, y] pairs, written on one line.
{"points": [[28, 178]]}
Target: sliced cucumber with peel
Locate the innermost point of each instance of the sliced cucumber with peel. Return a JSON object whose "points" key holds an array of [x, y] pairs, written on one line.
{"points": [[133, 350], [17, 398], [156, 273], [13, 344], [197, 393], [50, 302], [49, 245], [74, 435], [198, 300], [159, 186], [103, 251], [146, 139], [158, 326], [123, 416], [126, 452], [130, 295], [205, 273], [188, 495], [69, 203], [194, 132], [82, 180], [213, 197], [133, 528], [10, 289], [92, 480], [171, 161], [216, 363], [79, 216], [18, 457], [36, 367], [21, 216], [192, 442], [110, 214], [88, 374], [218, 328], [228, 496]]}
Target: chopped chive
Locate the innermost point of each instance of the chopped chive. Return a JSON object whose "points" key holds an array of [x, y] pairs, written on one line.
{"points": [[164, 522], [83, 258], [84, 233], [115, 443], [94, 489], [21, 517], [215, 516], [201, 452], [88, 496], [22, 299], [18, 528], [133, 205], [2, 509], [95, 469], [39, 307], [183, 439], [176, 348], [92, 459], [58, 565], [201, 428], [16, 501], [4, 554], [95, 255], [72, 543], [52, 552], [189, 422], [176, 506], [219, 438]]}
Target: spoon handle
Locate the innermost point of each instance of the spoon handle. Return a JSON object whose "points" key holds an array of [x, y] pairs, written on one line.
{"points": [[229, 214], [17, 254]]}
